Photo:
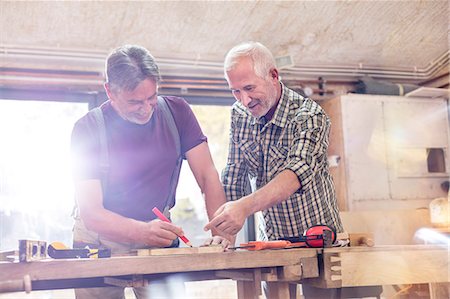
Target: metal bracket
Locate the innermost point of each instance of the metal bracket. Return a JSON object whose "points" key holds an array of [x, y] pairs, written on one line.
{"points": [[30, 250]]}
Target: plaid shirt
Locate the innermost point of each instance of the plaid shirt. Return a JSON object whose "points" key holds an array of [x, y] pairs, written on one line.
{"points": [[296, 138]]}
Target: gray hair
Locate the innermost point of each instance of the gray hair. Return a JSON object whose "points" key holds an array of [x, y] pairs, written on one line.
{"points": [[262, 58], [129, 65]]}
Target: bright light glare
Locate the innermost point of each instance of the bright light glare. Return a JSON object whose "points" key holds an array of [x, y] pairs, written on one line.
{"points": [[431, 236], [35, 171]]}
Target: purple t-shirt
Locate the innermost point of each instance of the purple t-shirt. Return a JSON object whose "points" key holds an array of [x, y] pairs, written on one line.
{"points": [[141, 157]]}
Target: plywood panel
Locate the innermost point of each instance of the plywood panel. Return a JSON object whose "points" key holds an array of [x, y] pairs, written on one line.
{"points": [[336, 150], [384, 266], [395, 227], [365, 148], [386, 143], [412, 127]]}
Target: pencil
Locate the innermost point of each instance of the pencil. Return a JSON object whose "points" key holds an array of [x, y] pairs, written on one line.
{"points": [[164, 218]]}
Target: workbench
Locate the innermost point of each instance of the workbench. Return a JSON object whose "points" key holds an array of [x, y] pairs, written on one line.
{"points": [[327, 268]]}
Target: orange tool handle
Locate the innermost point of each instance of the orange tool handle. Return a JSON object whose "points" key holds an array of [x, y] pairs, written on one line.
{"points": [[260, 245]]}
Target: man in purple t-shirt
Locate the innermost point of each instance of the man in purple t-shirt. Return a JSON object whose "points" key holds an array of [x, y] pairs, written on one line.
{"points": [[116, 210]]}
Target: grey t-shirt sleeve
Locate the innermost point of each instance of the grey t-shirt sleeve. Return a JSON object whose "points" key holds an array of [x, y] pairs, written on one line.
{"points": [[187, 124]]}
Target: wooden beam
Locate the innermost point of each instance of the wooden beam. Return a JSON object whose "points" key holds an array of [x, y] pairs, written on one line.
{"points": [[383, 265], [180, 250], [235, 274], [116, 266], [339, 267]]}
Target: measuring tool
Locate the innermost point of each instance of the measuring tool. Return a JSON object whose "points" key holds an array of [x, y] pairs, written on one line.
{"points": [[317, 236], [32, 250], [58, 250]]}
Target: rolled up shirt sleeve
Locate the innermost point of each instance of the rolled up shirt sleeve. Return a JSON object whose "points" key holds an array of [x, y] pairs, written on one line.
{"points": [[309, 147]]}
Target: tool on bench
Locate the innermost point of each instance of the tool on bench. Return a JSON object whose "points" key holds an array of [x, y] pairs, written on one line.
{"points": [[29, 250], [317, 236], [261, 245], [58, 250]]}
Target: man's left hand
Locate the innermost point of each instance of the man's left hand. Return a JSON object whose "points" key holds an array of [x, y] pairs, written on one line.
{"points": [[219, 240]]}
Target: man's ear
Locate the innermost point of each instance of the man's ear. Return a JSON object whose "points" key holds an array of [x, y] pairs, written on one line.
{"points": [[274, 73], [108, 89]]}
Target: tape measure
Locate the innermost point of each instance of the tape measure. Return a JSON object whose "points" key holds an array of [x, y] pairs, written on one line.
{"points": [[58, 250]]}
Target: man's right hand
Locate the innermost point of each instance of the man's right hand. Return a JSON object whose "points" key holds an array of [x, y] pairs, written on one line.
{"points": [[157, 233]]}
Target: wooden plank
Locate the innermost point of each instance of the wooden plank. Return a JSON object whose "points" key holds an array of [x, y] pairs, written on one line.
{"points": [[115, 266], [385, 266], [309, 267], [270, 274], [327, 264], [396, 227], [341, 267], [291, 273], [9, 256], [180, 250], [235, 275]]}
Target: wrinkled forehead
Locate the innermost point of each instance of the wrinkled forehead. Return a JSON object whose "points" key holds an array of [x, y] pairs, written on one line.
{"points": [[241, 62], [242, 68], [244, 78]]}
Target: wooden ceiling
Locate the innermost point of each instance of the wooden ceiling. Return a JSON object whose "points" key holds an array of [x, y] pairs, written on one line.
{"points": [[43, 42]]}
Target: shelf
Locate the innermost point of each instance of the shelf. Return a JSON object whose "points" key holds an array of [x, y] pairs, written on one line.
{"points": [[429, 92]]}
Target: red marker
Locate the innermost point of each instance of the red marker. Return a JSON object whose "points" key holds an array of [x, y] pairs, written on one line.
{"points": [[164, 218]]}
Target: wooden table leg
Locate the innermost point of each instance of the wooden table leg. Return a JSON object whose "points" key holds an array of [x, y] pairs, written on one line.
{"points": [[278, 290], [246, 290], [439, 290]]}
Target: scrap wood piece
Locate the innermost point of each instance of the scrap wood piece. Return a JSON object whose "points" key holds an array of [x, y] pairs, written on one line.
{"points": [[180, 250], [361, 239], [9, 256]]}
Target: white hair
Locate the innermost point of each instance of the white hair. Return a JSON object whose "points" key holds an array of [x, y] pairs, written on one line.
{"points": [[261, 57]]}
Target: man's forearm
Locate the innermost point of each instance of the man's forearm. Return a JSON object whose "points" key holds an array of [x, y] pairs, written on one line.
{"points": [[112, 226], [277, 190], [212, 190], [214, 198]]}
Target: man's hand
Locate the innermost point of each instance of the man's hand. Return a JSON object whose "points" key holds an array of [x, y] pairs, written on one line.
{"points": [[158, 233], [229, 218]]}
